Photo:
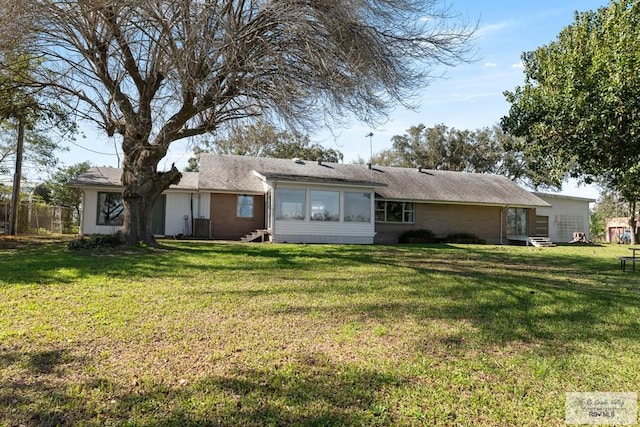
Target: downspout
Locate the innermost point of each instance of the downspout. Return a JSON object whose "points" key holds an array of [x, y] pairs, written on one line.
{"points": [[272, 211], [191, 208], [502, 211]]}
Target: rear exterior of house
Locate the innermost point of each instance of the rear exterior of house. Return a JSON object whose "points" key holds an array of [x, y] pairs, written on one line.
{"points": [[447, 219], [565, 216], [297, 201], [103, 213]]}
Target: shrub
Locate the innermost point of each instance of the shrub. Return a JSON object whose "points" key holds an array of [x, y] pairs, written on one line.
{"points": [[468, 238], [422, 235], [95, 241]]}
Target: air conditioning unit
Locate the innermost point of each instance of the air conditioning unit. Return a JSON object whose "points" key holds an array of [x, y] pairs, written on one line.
{"points": [[202, 228]]}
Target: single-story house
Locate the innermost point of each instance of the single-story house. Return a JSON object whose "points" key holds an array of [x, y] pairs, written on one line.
{"points": [[299, 201], [565, 216]]}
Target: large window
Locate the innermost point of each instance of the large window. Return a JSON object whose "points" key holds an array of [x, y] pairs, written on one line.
{"points": [[110, 209], [325, 205], [245, 206], [517, 222], [398, 212], [290, 204], [357, 207]]}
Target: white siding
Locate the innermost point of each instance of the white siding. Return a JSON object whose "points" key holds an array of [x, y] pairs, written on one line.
{"points": [[328, 232], [567, 215], [203, 208], [90, 213], [178, 206]]}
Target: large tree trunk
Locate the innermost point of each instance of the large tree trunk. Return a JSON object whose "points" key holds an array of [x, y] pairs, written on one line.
{"points": [[142, 184]]}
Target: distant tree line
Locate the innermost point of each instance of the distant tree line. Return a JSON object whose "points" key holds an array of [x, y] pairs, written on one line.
{"points": [[486, 150]]}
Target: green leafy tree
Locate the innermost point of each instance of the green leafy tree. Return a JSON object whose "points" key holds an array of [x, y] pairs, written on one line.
{"points": [[611, 204], [597, 227], [60, 194], [578, 110], [26, 122], [486, 150], [40, 147], [157, 72]]}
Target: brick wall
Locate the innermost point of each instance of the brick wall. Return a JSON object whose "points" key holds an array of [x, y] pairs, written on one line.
{"points": [[483, 221], [224, 220]]}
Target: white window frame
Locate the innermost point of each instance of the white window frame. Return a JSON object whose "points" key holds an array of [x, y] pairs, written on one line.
{"points": [[323, 216], [408, 212], [366, 219], [242, 203]]}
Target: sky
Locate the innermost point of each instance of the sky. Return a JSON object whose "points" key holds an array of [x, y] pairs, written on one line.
{"points": [[468, 96]]}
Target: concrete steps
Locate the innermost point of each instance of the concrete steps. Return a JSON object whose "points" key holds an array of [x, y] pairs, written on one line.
{"points": [[541, 242], [257, 234]]}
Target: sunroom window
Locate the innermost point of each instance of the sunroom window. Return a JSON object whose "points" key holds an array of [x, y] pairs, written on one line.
{"points": [[325, 205], [290, 204], [517, 222], [357, 207]]}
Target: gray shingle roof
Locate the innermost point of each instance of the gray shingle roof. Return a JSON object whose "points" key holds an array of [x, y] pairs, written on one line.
{"points": [[236, 173], [241, 174], [110, 177]]}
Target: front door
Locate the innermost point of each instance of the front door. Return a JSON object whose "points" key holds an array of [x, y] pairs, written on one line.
{"points": [[158, 215]]}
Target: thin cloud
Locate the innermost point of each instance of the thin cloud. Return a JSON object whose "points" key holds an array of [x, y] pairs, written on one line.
{"points": [[490, 29], [490, 64], [518, 66]]}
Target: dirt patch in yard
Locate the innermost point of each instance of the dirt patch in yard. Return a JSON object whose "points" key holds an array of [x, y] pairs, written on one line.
{"points": [[19, 242]]}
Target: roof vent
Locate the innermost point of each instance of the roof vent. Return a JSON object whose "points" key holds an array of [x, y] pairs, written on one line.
{"points": [[298, 161], [369, 165], [419, 168], [320, 161]]}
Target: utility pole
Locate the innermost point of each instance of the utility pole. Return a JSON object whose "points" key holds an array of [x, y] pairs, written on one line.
{"points": [[17, 177]]}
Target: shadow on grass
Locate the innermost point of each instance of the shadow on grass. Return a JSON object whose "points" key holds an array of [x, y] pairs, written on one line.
{"points": [[41, 264], [310, 391], [506, 295], [553, 301], [557, 302], [28, 392]]}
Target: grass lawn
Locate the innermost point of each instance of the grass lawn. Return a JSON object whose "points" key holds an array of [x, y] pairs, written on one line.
{"points": [[231, 334]]}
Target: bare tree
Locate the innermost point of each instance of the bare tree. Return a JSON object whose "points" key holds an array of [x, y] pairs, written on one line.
{"points": [[156, 71]]}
